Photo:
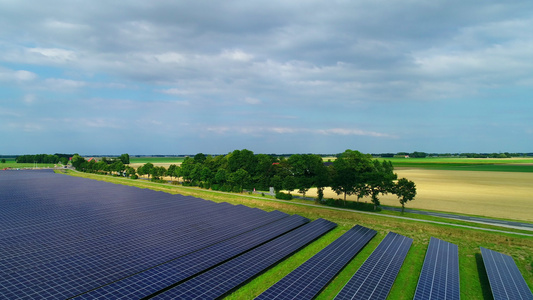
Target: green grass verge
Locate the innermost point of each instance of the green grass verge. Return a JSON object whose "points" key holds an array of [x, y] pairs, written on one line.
{"points": [[474, 284]]}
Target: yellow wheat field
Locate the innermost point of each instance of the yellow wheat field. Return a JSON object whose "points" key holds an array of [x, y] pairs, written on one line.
{"points": [[506, 195]]}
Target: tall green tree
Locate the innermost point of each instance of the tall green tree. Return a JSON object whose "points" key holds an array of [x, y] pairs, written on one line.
{"points": [[171, 171], [349, 173], [239, 178], [124, 158], [380, 180], [405, 190], [77, 161]]}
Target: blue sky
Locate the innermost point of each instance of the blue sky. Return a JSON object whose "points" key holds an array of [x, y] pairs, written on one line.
{"points": [[182, 77]]}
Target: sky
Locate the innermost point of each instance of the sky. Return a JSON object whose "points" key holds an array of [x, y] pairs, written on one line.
{"points": [[183, 77]]}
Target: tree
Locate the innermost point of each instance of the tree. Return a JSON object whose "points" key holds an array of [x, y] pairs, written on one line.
{"points": [[349, 173], [221, 176], [125, 158], [64, 160], [289, 183], [157, 172], [306, 169], [277, 183], [380, 180], [130, 171], [239, 178], [405, 190], [171, 171], [146, 169], [77, 161], [187, 167], [3, 160], [118, 167]]}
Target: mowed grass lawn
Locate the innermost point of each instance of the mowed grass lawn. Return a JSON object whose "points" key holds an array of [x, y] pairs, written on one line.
{"points": [[474, 283]]}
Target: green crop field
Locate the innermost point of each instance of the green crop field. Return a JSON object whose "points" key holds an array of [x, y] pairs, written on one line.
{"points": [[11, 163], [465, 164], [474, 283]]}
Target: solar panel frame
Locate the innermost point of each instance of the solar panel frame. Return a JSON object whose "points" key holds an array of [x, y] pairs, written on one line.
{"points": [[375, 277], [439, 277], [306, 281], [506, 281]]}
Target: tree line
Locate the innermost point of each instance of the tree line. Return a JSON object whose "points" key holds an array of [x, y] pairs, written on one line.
{"points": [[44, 158], [351, 173]]}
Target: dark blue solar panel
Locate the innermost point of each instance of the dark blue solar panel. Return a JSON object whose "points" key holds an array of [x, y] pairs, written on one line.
{"points": [[62, 236], [311, 277], [506, 281], [375, 277], [224, 278], [439, 278], [178, 270]]}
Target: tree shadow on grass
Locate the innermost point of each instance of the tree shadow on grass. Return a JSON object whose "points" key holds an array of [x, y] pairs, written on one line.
{"points": [[483, 278]]}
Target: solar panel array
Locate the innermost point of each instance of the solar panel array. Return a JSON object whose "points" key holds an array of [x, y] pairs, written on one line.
{"points": [[66, 237], [375, 277], [439, 278], [224, 278], [62, 236], [506, 281], [182, 268], [311, 277]]}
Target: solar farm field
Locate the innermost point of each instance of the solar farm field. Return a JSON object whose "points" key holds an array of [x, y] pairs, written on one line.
{"points": [[74, 237]]}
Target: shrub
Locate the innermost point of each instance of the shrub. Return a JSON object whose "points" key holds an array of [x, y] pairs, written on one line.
{"points": [[351, 205], [175, 182], [134, 176], [283, 196]]}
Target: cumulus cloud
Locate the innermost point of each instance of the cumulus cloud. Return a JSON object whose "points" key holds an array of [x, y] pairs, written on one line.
{"points": [[351, 68]]}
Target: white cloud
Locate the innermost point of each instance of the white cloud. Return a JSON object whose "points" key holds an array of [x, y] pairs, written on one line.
{"points": [[60, 84], [253, 101], [174, 91], [18, 75], [294, 130], [29, 99], [237, 55], [55, 55]]}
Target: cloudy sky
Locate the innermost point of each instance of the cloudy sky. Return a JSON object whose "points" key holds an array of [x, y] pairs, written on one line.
{"points": [[182, 77]]}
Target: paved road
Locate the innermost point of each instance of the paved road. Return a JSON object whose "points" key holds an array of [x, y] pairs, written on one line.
{"points": [[510, 224]]}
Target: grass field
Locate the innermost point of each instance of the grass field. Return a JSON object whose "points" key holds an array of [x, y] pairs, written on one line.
{"points": [[11, 163], [465, 164], [474, 283]]}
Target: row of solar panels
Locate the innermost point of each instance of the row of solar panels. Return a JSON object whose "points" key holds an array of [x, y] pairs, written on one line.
{"points": [[206, 251], [81, 235]]}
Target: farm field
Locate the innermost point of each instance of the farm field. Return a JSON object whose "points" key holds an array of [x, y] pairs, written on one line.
{"points": [[474, 283], [504, 195], [135, 162], [11, 163], [518, 164]]}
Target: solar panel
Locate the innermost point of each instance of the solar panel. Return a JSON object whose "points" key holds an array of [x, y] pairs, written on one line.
{"points": [[375, 277], [224, 278], [63, 236], [178, 270], [439, 278], [311, 277], [506, 281]]}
